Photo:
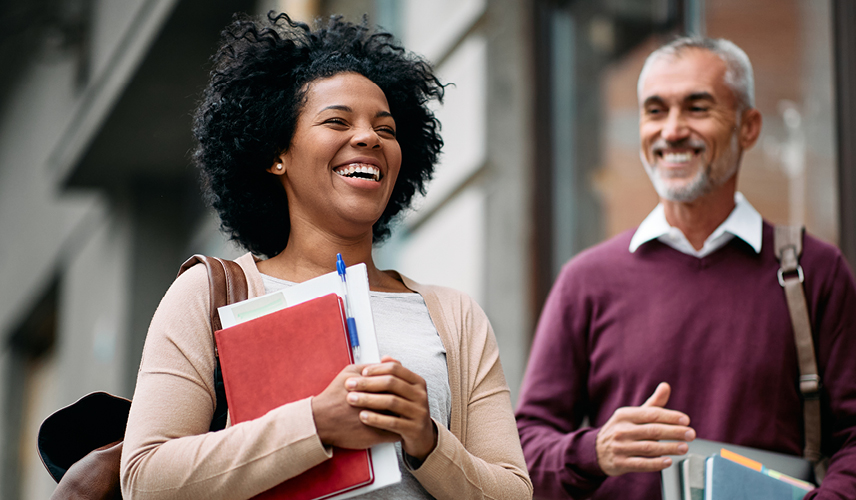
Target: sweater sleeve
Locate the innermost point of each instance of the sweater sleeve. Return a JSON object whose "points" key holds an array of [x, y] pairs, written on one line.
{"points": [[168, 451], [554, 399], [484, 460], [834, 328]]}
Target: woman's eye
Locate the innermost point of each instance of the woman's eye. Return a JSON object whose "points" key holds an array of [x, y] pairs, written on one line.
{"points": [[335, 121], [386, 130]]}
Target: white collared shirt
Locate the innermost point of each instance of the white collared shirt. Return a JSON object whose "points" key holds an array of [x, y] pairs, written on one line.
{"points": [[743, 222]]}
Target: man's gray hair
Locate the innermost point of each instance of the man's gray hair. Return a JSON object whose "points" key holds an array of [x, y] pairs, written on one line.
{"points": [[738, 73]]}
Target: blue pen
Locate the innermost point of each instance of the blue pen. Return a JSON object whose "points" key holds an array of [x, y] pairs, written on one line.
{"points": [[352, 323]]}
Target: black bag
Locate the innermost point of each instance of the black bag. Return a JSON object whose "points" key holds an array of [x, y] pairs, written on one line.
{"points": [[81, 444]]}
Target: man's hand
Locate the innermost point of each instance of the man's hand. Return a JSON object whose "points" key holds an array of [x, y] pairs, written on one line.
{"points": [[628, 440]]}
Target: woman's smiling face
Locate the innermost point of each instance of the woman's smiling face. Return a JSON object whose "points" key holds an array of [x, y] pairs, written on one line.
{"points": [[341, 166]]}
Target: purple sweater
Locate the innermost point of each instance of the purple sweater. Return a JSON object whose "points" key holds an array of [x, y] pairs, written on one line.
{"points": [[717, 329]]}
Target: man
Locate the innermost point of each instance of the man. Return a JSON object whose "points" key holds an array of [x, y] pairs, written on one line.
{"points": [[680, 329]]}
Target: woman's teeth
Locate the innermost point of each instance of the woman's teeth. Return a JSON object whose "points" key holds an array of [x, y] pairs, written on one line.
{"points": [[360, 171]]}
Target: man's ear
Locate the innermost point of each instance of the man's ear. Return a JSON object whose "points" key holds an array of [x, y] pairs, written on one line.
{"points": [[750, 128], [278, 167]]}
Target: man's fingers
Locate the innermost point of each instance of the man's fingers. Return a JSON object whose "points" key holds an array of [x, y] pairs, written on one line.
{"points": [[638, 438], [643, 456], [655, 432], [648, 448], [660, 396], [651, 415], [640, 464]]}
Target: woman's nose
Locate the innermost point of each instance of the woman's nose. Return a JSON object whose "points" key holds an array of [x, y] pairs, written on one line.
{"points": [[366, 138]]}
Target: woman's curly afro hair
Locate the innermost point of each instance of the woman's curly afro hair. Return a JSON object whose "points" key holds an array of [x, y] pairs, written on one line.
{"points": [[250, 108]]}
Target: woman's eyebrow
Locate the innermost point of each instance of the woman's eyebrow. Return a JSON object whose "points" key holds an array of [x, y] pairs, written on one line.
{"points": [[347, 109], [339, 107]]}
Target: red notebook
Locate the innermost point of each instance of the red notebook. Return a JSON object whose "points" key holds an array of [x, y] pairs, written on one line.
{"points": [[286, 356]]}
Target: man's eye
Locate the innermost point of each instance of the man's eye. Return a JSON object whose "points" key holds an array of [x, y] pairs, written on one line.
{"points": [[699, 109], [653, 111]]}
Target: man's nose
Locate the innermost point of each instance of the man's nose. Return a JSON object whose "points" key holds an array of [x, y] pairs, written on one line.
{"points": [[675, 128]]}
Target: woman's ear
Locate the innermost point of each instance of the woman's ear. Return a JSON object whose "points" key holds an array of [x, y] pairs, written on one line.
{"points": [[278, 167]]}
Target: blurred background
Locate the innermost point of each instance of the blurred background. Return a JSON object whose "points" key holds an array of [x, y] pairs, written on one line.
{"points": [[99, 204]]}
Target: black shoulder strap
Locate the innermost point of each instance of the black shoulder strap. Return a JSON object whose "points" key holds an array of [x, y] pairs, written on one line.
{"points": [[227, 284]]}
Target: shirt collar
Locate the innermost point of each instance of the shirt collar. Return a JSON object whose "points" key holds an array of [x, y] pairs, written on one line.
{"points": [[743, 222]]}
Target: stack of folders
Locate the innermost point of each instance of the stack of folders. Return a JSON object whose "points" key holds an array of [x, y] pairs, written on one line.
{"points": [[729, 476], [288, 346]]}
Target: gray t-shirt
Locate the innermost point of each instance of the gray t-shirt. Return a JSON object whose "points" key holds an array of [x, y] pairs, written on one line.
{"points": [[405, 331]]}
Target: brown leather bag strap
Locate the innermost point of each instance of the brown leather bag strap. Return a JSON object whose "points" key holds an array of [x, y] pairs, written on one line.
{"points": [[788, 244], [227, 284]]}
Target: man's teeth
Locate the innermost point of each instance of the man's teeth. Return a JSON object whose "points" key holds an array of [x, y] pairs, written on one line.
{"points": [[677, 157]]}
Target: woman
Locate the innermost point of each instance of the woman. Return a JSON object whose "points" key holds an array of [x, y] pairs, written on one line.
{"points": [[309, 143]]}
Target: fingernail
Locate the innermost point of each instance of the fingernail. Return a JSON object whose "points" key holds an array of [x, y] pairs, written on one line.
{"points": [[352, 397], [683, 448], [364, 415], [684, 421], [365, 372], [667, 462], [351, 383], [690, 435]]}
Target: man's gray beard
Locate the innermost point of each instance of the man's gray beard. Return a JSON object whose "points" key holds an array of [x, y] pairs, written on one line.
{"points": [[701, 184]]}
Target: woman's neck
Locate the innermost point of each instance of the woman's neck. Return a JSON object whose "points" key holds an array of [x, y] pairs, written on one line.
{"points": [[309, 254]]}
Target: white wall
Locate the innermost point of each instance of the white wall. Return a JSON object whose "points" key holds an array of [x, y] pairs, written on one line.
{"points": [[470, 231]]}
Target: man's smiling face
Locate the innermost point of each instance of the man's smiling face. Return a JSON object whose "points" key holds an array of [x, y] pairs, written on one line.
{"points": [[689, 125]]}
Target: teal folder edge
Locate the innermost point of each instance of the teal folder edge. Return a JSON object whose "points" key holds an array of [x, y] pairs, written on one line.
{"points": [[727, 480], [786, 464]]}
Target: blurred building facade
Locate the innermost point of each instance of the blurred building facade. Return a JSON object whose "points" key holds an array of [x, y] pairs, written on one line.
{"points": [[99, 203]]}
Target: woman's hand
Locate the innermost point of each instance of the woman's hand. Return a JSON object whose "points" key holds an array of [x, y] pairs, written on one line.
{"points": [[338, 423], [394, 399]]}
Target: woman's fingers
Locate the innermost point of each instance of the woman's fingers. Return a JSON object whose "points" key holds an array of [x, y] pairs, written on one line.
{"points": [[389, 394], [395, 399], [390, 366], [337, 422], [388, 384], [388, 403], [417, 430], [390, 377], [418, 437]]}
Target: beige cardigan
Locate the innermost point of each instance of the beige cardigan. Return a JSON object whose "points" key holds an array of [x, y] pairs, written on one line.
{"points": [[169, 453]]}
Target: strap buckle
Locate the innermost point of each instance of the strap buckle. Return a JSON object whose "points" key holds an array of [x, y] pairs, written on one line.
{"points": [[781, 275], [810, 386]]}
